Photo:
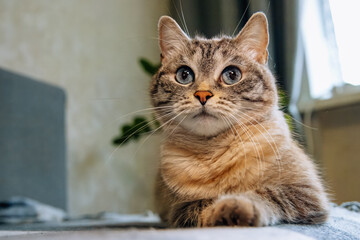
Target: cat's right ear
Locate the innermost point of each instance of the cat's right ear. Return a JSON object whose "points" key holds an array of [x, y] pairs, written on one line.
{"points": [[171, 38]]}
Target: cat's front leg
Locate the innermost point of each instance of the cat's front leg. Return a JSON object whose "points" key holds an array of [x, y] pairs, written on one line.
{"points": [[236, 210], [296, 203], [187, 214]]}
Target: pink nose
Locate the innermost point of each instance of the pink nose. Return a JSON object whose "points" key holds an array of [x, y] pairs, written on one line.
{"points": [[203, 96]]}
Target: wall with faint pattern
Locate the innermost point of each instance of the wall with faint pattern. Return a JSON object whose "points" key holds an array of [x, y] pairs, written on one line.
{"points": [[91, 48]]}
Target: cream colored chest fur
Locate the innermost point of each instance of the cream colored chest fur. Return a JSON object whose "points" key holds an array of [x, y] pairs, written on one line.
{"points": [[230, 165]]}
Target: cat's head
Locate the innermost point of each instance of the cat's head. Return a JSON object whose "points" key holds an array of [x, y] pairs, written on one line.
{"points": [[207, 85]]}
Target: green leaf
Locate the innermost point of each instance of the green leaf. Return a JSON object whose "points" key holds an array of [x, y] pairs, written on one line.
{"points": [[133, 131], [148, 67], [284, 105], [142, 123], [139, 126], [120, 140], [125, 129], [283, 98]]}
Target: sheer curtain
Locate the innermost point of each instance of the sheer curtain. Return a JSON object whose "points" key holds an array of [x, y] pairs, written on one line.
{"points": [[329, 47], [320, 48], [326, 63]]}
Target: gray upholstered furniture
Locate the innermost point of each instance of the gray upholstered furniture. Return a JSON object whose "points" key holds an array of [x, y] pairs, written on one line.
{"points": [[32, 140]]}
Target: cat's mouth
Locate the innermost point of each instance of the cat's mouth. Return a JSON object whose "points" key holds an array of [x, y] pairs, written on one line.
{"points": [[204, 114]]}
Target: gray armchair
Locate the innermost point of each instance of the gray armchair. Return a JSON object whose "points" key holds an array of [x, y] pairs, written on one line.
{"points": [[32, 140]]}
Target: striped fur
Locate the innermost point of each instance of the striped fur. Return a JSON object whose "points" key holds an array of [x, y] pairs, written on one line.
{"points": [[237, 164]]}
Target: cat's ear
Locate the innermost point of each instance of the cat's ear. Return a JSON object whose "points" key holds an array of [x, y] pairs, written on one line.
{"points": [[254, 38], [171, 38]]}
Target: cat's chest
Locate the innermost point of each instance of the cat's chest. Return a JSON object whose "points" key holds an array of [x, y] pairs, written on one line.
{"points": [[210, 173]]}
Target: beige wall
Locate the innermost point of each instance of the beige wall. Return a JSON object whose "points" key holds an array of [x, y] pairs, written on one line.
{"points": [[91, 48], [336, 147]]}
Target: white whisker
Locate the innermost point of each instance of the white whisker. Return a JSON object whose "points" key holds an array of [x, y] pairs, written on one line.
{"points": [[144, 110], [247, 131], [242, 142], [183, 17], [167, 122], [237, 26], [272, 145], [177, 125], [140, 129]]}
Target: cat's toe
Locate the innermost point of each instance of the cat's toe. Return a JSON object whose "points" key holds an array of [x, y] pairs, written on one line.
{"points": [[232, 212]]}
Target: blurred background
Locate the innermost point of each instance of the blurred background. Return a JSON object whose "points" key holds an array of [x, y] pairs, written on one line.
{"points": [[70, 76]]}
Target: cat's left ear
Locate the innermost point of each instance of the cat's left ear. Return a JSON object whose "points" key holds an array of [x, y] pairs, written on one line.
{"points": [[254, 38], [172, 38]]}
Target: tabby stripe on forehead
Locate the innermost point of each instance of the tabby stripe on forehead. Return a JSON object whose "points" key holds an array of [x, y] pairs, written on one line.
{"points": [[216, 48], [192, 52], [202, 47], [209, 51], [225, 53]]}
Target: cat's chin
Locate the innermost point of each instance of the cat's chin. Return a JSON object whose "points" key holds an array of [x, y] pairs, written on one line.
{"points": [[206, 125]]}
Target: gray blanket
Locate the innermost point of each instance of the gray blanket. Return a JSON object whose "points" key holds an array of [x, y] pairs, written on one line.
{"points": [[343, 223]]}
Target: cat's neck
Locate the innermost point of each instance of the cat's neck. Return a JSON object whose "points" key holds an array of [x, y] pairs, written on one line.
{"points": [[192, 165], [273, 125]]}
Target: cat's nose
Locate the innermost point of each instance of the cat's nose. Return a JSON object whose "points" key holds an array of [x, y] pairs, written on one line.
{"points": [[203, 96]]}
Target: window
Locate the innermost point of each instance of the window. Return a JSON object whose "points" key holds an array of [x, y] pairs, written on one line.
{"points": [[346, 18], [331, 40]]}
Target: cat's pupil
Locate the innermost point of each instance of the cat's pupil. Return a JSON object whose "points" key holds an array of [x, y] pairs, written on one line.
{"points": [[185, 74], [232, 75]]}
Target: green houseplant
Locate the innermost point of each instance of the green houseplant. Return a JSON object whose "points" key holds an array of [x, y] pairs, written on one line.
{"points": [[140, 125]]}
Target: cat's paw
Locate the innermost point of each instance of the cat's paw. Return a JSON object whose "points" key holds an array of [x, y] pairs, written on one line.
{"points": [[231, 211]]}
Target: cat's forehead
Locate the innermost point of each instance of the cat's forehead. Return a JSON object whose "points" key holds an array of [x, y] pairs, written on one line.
{"points": [[207, 53], [210, 46]]}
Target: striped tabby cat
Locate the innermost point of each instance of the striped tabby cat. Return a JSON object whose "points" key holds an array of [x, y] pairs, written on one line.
{"points": [[229, 157]]}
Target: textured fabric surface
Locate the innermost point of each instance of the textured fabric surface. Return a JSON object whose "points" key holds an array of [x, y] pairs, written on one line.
{"points": [[164, 234], [342, 224]]}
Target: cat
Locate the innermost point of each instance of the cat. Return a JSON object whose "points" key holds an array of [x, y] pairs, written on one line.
{"points": [[228, 158]]}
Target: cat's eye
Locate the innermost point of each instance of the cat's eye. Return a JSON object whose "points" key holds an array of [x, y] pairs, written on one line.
{"points": [[231, 75], [185, 75]]}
